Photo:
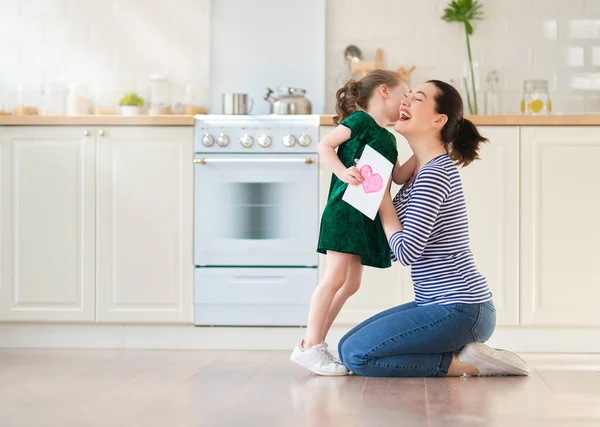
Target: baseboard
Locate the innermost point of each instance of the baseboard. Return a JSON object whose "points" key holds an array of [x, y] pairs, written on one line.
{"points": [[21, 335]]}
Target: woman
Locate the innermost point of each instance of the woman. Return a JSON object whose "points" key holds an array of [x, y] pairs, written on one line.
{"points": [[442, 332]]}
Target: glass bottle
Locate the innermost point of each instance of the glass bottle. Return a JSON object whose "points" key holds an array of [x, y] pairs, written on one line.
{"points": [[492, 94]]}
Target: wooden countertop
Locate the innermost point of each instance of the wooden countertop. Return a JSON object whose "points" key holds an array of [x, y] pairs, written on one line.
{"points": [[326, 120], [174, 120], [518, 120]]}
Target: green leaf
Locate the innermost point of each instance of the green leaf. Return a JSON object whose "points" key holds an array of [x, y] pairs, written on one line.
{"points": [[463, 11]]}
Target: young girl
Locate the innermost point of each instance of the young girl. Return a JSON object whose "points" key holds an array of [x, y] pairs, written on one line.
{"points": [[349, 238]]}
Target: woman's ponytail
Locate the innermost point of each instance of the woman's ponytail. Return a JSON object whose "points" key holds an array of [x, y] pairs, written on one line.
{"points": [[465, 148]]}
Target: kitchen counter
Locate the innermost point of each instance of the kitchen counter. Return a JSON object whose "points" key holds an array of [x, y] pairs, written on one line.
{"points": [[518, 120], [326, 120], [173, 120]]}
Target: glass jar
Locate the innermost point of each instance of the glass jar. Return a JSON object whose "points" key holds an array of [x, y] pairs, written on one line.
{"points": [[55, 100], [193, 100], [160, 95], [29, 100], [5, 108], [536, 98]]}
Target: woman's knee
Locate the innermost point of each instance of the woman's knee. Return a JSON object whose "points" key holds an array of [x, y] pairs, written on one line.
{"points": [[352, 355]]}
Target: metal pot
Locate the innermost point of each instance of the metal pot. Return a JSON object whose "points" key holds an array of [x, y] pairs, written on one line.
{"points": [[237, 103], [290, 101]]}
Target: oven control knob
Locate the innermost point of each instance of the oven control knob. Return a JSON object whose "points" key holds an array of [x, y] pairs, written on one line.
{"points": [[246, 141], [304, 140], [289, 140], [208, 140], [264, 141], [223, 140]]}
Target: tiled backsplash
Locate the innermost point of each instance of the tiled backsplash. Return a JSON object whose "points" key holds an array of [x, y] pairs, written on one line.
{"points": [[556, 40], [109, 44], [117, 44]]}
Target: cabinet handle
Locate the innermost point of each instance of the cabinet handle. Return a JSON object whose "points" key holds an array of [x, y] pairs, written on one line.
{"points": [[101, 133], [87, 133]]}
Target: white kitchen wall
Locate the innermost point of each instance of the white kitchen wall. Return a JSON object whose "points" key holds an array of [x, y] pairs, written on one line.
{"points": [[119, 43], [557, 40], [267, 43], [111, 44]]}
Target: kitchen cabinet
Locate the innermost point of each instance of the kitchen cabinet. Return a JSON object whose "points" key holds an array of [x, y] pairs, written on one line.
{"points": [[144, 225], [491, 187], [47, 224], [96, 224], [560, 207]]}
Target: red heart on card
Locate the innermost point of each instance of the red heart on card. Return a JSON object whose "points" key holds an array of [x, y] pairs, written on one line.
{"points": [[372, 182]]}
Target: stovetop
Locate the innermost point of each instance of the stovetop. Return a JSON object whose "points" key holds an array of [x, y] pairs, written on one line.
{"points": [[221, 134]]}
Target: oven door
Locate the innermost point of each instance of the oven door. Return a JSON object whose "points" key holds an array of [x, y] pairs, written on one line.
{"points": [[256, 210]]}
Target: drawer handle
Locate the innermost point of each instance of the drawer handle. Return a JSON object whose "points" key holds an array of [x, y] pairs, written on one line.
{"points": [[203, 161]]}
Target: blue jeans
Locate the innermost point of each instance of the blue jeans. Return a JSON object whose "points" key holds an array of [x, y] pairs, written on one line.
{"points": [[415, 341]]}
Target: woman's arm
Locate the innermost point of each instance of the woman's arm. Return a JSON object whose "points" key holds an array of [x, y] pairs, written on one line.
{"points": [[430, 189], [402, 173], [330, 158]]}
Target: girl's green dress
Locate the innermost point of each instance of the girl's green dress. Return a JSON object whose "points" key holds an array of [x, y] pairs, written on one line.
{"points": [[344, 228]]}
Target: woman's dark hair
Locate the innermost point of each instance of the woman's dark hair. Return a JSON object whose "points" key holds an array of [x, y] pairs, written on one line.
{"points": [[459, 135], [357, 94]]}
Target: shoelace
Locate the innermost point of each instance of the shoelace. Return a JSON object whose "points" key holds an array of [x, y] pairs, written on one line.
{"points": [[330, 357]]}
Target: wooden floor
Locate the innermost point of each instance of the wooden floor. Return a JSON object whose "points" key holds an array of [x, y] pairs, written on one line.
{"points": [[128, 388]]}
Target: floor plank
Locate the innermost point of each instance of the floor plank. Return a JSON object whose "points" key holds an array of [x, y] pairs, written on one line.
{"points": [[118, 388]]}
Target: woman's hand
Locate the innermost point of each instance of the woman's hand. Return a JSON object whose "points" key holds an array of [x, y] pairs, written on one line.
{"points": [[387, 214]]}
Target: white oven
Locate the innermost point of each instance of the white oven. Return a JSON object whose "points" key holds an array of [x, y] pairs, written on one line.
{"points": [[256, 219], [256, 210]]}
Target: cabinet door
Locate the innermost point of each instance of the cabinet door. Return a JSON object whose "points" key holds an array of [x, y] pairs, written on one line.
{"points": [[144, 227], [560, 200], [48, 216], [491, 187]]}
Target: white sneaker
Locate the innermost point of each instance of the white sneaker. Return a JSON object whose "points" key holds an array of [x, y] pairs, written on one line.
{"points": [[490, 361], [319, 360]]}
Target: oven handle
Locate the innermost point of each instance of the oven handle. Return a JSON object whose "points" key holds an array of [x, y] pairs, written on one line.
{"points": [[203, 161]]}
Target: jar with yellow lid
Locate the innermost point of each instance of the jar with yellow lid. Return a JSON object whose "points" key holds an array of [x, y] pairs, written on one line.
{"points": [[536, 98]]}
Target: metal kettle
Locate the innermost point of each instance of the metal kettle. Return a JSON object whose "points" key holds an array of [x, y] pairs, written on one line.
{"points": [[291, 100]]}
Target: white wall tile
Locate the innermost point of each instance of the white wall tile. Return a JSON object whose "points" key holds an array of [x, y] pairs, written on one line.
{"points": [[58, 9], [596, 56], [557, 56], [592, 6], [20, 29], [10, 8], [59, 32], [569, 8], [583, 29]]}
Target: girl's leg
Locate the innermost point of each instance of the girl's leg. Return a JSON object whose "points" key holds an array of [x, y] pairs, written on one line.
{"points": [[350, 287], [320, 304]]}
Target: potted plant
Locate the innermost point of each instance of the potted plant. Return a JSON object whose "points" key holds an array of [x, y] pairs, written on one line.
{"points": [[465, 12], [131, 104]]}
